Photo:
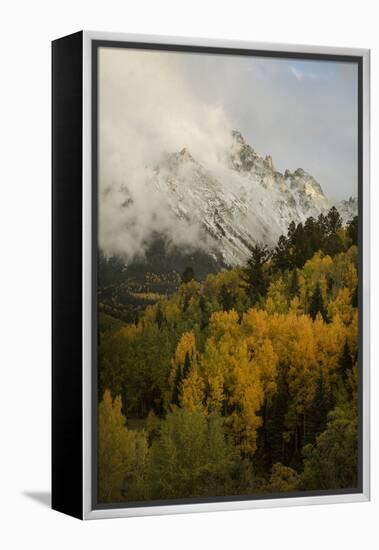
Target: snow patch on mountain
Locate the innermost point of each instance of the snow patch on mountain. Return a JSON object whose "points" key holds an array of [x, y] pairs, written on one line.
{"points": [[242, 200], [348, 209]]}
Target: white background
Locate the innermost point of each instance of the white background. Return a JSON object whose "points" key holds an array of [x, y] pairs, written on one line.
{"points": [[27, 29]]}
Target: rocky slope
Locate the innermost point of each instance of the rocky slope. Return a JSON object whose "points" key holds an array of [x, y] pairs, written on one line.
{"points": [[247, 201]]}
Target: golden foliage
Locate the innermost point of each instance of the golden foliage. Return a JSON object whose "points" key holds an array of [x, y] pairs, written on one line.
{"points": [[121, 453], [341, 306], [236, 366], [129, 332], [186, 345], [192, 393]]}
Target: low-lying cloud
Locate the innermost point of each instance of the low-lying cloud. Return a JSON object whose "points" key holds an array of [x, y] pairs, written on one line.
{"points": [[154, 102], [146, 108]]}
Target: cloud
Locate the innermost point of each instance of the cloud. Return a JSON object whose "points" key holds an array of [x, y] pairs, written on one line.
{"points": [[308, 122], [146, 108], [302, 113]]}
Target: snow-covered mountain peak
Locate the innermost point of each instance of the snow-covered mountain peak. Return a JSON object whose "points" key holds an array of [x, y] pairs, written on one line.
{"points": [[173, 161], [241, 201], [304, 183], [243, 157], [185, 155]]}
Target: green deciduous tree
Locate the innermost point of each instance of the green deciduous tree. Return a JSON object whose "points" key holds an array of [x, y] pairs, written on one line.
{"points": [[283, 479], [332, 463], [122, 454], [192, 456]]}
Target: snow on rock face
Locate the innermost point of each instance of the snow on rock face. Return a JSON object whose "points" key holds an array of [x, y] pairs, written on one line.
{"points": [[242, 203], [348, 209]]}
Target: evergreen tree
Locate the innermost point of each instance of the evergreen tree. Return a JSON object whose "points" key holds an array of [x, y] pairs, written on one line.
{"points": [[186, 301], [226, 297], [352, 230], [302, 246], [186, 366], [329, 284], [281, 256], [273, 443], [159, 318], [254, 276], [317, 304], [322, 227], [182, 372], [333, 221], [188, 275], [291, 233], [317, 414], [333, 243], [294, 284], [313, 234], [345, 362], [204, 316], [354, 298], [177, 385]]}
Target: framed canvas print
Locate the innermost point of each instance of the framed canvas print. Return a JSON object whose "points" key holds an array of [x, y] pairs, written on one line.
{"points": [[210, 275]]}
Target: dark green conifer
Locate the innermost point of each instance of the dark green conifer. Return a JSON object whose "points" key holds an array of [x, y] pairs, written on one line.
{"points": [[317, 304], [254, 276], [188, 275], [345, 362]]}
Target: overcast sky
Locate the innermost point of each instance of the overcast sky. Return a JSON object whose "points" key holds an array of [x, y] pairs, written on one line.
{"points": [[302, 113]]}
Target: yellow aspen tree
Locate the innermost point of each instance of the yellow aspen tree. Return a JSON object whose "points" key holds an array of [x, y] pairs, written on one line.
{"points": [[303, 370], [129, 332], [282, 330], [295, 306], [122, 454], [265, 362], [330, 338], [256, 325], [192, 393], [224, 323], [185, 351], [248, 395], [276, 297], [341, 306], [352, 333], [213, 368], [186, 344]]}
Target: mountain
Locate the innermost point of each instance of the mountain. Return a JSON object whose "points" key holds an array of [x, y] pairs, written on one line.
{"points": [[348, 209], [242, 201]]}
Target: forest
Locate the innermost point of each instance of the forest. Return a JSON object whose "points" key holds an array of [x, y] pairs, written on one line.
{"points": [[240, 382]]}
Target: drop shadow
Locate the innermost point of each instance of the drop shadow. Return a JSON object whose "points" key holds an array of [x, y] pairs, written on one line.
{"points": [[41, 497]]}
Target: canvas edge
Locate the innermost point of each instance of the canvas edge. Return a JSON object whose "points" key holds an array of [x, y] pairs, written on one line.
{"points": [[364, 496], [366, 279]]}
